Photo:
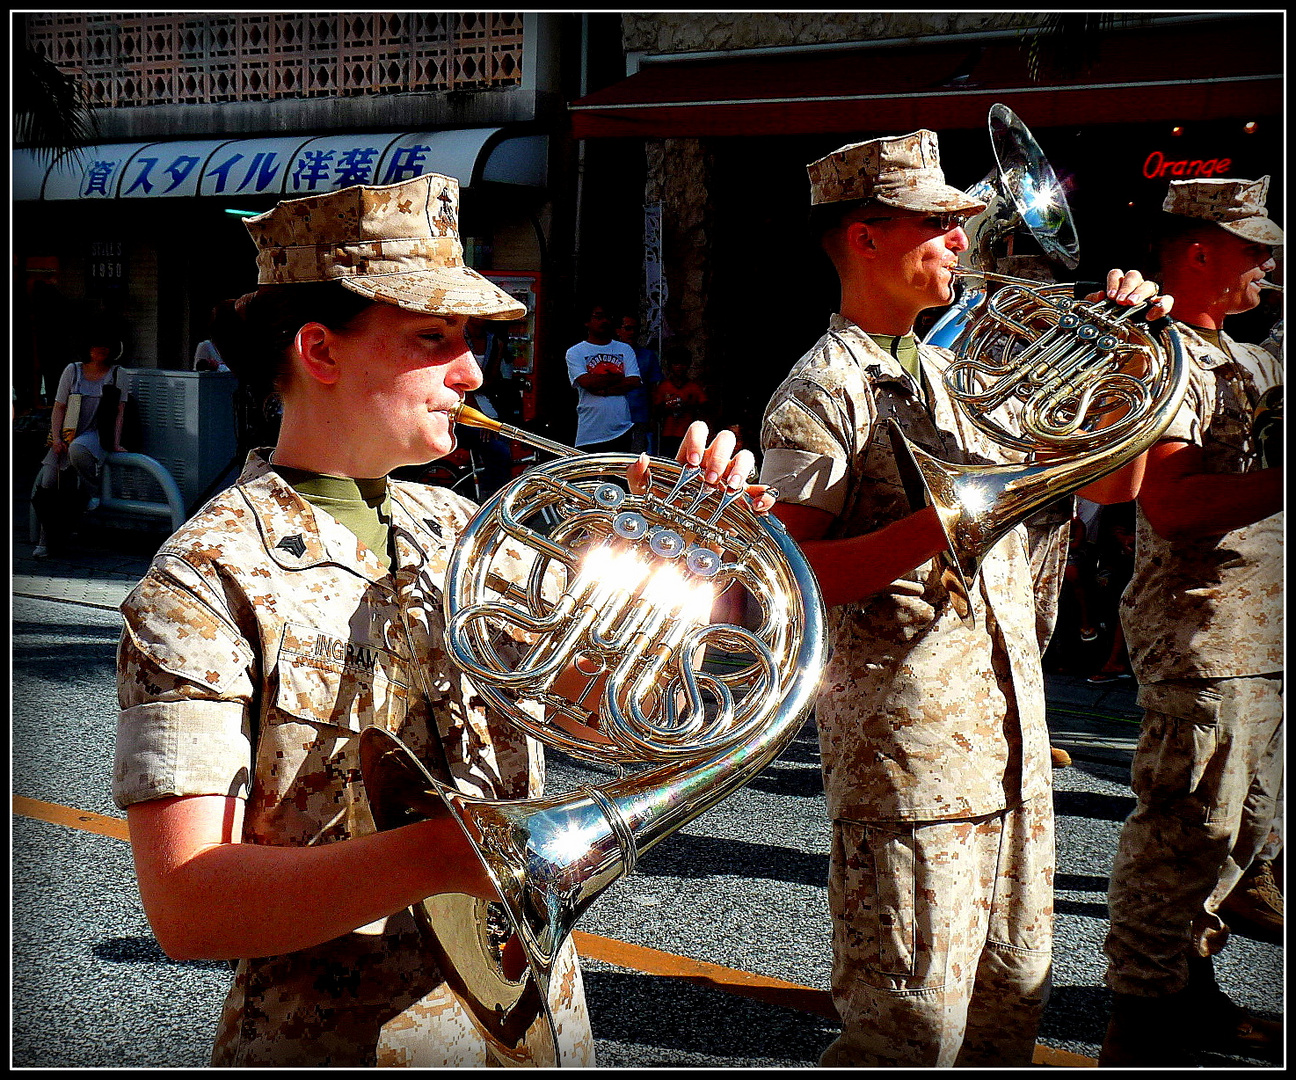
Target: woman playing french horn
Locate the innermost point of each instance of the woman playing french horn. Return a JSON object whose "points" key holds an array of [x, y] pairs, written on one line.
{"points": [[303, 604]]}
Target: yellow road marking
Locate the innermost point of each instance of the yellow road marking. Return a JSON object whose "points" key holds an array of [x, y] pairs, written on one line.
{"points": [[730, 980], [621, 953], [76, 819]]}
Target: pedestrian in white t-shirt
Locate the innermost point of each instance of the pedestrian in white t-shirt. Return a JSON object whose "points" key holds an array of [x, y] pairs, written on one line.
{"points": [[602, 370]]}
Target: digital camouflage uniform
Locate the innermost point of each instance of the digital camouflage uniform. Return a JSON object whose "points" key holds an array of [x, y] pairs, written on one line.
{"points": [[1048, 529], [932, 734], [1048, 532], [1203, 620], [263, 637]]}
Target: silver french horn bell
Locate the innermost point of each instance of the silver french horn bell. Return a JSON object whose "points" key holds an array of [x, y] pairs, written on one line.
{"points": [[606, 650], [1022, 196], [1075, 389]]}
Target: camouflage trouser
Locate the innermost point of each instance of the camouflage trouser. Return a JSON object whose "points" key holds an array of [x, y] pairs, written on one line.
{"points": [[1047, 532], [1274, 845], [1207, 773], [942, 935]]}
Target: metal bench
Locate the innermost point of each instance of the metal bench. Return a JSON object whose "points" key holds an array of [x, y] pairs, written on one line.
{"points": [[173, 507]]}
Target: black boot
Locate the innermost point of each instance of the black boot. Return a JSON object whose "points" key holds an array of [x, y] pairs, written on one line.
{"points": [[1223, 1027], [1146, 1032]]}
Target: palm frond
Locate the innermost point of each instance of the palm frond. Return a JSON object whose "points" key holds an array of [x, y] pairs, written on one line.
{"points": [[51, 112]]}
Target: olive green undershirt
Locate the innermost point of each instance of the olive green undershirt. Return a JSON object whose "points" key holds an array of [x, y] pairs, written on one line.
{"points": [[904, 349], [362, 505], [1212, 336]]}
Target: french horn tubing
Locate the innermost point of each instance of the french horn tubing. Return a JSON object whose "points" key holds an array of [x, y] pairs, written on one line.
{"points": [[606, 651], [1267, 428]]}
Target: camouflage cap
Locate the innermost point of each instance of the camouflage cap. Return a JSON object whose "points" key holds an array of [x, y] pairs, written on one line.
{"points": [[397, 244], [902, 171], [1235, 205]]}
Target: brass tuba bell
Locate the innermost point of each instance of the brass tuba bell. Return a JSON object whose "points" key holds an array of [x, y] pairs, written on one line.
{"points": [[1037, 371], [606, 651]]}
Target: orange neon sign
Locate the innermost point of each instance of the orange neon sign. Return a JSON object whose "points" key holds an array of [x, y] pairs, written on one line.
{"points": [[1157, 165]]}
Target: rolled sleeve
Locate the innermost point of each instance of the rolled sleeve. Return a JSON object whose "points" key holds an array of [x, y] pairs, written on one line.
{"points": [[167, 748], [184, 687], [1186, 425], [809, 479], [806, 442]]}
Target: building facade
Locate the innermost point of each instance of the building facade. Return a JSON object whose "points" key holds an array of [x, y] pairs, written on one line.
{"points": [[644, 159], [723, 111], [205, 118]]}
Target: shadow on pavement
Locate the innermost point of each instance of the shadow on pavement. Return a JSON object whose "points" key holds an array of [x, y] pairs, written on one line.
{"points": [[145, 950], [685, 855], [1077, 1014], [1080, 883], [653, 1013], [1088, 804]]}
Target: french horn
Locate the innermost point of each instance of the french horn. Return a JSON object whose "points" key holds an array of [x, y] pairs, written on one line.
{"points": [[1077, 389], [607, 651]]}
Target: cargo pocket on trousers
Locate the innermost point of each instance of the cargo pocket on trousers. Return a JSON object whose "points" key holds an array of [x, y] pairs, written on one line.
{"points": [[1179, 756], [895, 888]]}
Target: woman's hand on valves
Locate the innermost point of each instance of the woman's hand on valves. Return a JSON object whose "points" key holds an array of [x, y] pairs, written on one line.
{"points": [[1129, 287], [719, 464]]}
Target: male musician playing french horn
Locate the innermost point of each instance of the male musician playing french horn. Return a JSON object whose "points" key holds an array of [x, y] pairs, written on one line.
{"points": [[932, 731], [304, 605], [1203, 618]]}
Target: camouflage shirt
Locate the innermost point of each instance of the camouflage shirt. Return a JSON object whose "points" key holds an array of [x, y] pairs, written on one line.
{"points": [[921, 717], [261, 640], [1211, 607]]}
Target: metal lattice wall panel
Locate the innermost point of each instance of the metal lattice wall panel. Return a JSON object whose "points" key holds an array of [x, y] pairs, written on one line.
{"points": [[129, 59]]}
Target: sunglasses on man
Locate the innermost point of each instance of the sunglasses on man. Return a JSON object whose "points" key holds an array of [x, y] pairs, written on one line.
{"points": [[942, 222]]}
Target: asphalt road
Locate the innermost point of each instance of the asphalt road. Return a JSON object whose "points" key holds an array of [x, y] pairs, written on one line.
{"points": [[741, 886]]}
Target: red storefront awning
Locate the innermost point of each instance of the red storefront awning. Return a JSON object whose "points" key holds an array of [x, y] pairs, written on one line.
{"points": [[1184, 73]]}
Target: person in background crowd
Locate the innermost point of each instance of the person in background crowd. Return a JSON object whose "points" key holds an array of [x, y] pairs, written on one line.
{"points": [[1110, 575], [650, 374], [302, 605], [1204, 626], [932, 731], [1076, 607], [208, 355], [498, 399], [500, 383], [678, 399], [80, 438], [604, 372]]}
